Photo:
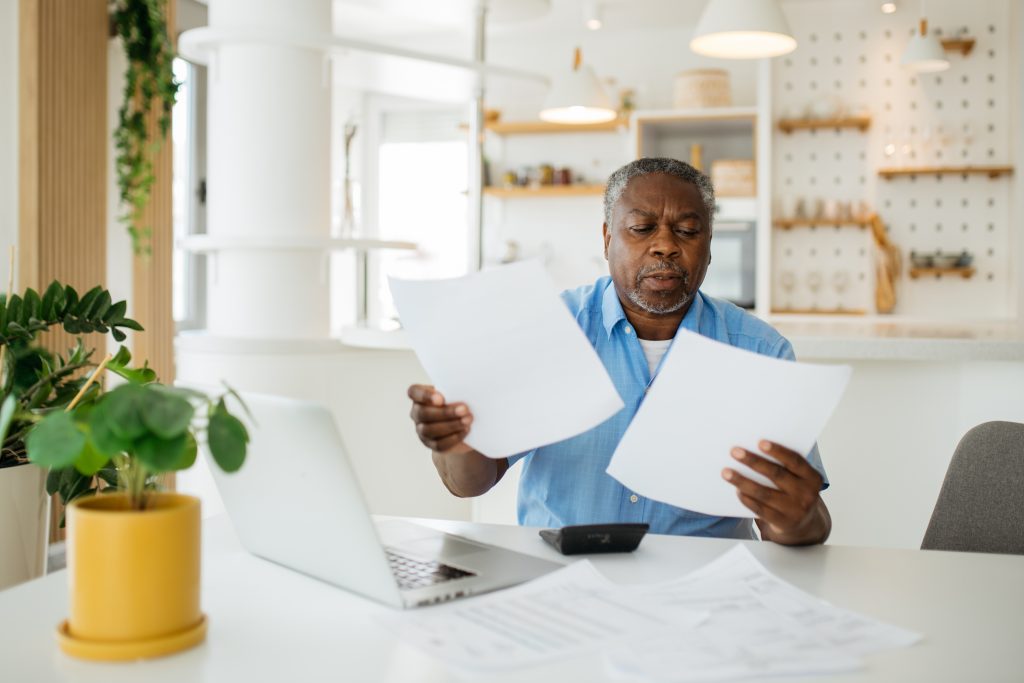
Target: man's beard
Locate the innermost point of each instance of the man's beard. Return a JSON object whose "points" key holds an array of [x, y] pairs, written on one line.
{"points": [[637, 297]]}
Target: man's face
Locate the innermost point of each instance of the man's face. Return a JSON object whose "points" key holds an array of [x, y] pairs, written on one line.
{"points": [[658, 244]]}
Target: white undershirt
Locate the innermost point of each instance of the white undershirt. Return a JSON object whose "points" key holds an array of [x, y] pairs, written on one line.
{"points": [[654, 351]]}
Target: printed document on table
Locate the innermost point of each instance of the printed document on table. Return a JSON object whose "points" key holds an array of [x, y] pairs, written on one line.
{"points": [[709, 397], [850, 632], [566, 613], [759, 625], [503, 342]]}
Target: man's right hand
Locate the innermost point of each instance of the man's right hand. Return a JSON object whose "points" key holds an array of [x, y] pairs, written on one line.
{"points": [[442, 427]]}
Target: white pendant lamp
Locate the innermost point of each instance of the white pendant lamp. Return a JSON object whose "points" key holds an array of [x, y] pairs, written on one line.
{"points": [[577, 97], [924, 52], [742, 29]]}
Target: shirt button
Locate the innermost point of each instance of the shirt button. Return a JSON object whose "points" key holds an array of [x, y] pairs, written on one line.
{"points": [[629, 330], [633, 498]]}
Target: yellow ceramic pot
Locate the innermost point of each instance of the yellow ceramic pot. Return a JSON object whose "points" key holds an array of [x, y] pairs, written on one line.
{"points": [[133, 577]]}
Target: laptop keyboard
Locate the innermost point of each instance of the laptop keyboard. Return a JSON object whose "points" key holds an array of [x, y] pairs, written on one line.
{"points": [[411, 572]]}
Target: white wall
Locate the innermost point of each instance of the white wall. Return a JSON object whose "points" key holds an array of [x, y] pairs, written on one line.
{"points": [[887, 447], [1017, 203], [119, 243], [8, 130]]}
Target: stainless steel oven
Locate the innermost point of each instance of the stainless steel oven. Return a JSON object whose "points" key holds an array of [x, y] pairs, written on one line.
{"points": [[731, 275]]}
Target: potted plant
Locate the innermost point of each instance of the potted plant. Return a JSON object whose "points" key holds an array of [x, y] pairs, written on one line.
{"points": [[141, 26], [33, 381], [133, 551]]}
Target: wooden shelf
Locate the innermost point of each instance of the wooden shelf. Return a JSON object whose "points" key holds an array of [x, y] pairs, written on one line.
{"points": [[546, 191], [990, 171], [961, 45], [965, 272], [818, 311], [789, 223], [535, 127], [861, 123]]}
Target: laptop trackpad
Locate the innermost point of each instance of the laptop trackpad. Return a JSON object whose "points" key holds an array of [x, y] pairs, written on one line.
{"points": [[439, 547]]}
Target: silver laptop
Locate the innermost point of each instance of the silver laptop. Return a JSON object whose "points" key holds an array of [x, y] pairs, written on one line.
{"points": [[296, 502]]}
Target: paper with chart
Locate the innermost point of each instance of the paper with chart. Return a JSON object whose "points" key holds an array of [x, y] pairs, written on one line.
{"points": [[503, 342], [566, 613], [709, 397], [758, 625]]}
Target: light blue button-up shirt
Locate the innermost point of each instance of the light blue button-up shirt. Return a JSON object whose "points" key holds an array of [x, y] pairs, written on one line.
{"points": [[566, 483]]}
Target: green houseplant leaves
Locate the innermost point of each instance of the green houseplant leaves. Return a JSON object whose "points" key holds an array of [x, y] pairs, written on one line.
{"points": [[149, 80], [139, 429], [37, 381]]}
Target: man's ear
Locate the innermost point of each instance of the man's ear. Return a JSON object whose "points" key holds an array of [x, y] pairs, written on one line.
{"points": [[607, 237]]}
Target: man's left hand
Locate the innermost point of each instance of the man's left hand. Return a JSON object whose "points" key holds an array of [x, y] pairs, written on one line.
{"points": [[792, 514]]}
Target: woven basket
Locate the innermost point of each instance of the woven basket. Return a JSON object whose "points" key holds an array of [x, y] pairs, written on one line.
{"points": [[702, 88], [734, 177]]}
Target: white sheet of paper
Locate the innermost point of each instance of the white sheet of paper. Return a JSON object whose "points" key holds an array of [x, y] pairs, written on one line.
{"points": [[707, 398], [759, 625], [566, 613], [503, 342], [852, 633]]}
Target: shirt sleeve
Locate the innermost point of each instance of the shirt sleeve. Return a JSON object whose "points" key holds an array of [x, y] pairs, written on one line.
{"points": [[784, 350], [513, 459]]}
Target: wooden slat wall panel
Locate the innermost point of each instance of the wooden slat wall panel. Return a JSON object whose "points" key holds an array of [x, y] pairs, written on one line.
{"points": [[62, 234], [151, 302], [63, 152], [151, 275]]}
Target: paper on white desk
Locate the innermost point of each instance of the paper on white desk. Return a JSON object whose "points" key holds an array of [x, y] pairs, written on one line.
{"points": [[568, 612], [503, 342], [707, 398], [852, 633], [759, 625]]}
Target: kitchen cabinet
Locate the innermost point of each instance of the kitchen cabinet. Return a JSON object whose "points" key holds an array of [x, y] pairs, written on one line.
{"points": [[742, 236]]}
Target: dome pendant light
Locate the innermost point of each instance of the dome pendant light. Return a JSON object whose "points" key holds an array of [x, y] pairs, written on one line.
{"points": [[577, 97], [742, 29], [924, 52]]}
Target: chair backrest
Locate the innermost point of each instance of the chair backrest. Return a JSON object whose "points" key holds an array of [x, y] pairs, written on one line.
{"points": [[981, 505]]}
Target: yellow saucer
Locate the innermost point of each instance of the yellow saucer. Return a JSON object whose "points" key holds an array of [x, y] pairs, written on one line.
{"points": [[136, 649]]}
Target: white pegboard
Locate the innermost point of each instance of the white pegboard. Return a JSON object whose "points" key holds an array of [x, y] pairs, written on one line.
{"points": [[850, 51]]}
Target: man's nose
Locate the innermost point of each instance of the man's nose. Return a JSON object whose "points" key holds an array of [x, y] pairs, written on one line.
{"points": [[664, 243]]}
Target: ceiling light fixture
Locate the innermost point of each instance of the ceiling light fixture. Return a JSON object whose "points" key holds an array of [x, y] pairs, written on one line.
{"points": [[888, 7], [742, 29], [924, 52], [593, 16], [577, 97]]}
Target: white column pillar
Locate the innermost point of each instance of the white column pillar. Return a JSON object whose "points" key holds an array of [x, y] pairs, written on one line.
{"points": [[269, 170]]}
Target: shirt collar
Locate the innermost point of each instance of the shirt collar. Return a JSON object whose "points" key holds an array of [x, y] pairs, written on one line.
{"points": [[612, 313], [611, 308]]}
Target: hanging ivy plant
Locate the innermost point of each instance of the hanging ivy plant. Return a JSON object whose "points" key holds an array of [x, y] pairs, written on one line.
{"points": [[149, 82]]}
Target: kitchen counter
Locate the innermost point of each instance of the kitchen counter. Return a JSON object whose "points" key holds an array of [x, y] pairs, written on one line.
{"points": [[873, 338], [861, 338]]}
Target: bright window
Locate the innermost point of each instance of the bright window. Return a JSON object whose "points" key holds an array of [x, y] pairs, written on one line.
{"points": [[188, 271], [421, 192]]}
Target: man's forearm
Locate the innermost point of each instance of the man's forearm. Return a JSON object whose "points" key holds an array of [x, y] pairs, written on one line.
{"points": [[469, 474], [814, 530]]}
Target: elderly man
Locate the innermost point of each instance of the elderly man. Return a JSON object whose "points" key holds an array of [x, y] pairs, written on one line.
{"points": [[657, 241]]}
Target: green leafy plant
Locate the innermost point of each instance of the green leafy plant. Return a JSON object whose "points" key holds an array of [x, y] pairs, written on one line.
{"points": [[126, 437], [120, 440], [36, 381], [149, 81]]}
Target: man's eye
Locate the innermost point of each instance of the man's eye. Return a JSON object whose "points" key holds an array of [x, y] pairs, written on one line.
{"points": [[641, 228]]}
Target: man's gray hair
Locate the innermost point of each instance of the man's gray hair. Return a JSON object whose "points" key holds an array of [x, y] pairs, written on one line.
{"points": [[617, 181]]}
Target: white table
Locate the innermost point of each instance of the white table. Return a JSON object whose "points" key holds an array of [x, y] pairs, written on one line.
{"points": [[270, 624]]}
